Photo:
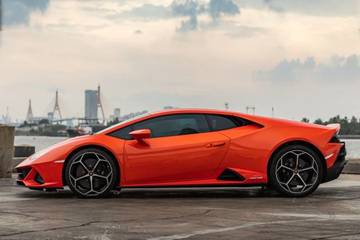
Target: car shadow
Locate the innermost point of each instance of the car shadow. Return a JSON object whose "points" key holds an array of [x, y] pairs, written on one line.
{"points": [[170, 193]]}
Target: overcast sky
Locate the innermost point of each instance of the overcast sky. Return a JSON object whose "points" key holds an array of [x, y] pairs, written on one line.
{"points": [[300, 57]]}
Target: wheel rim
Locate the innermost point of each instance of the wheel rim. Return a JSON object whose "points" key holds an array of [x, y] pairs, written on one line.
{"points": [[297, 171], [91, 174]]}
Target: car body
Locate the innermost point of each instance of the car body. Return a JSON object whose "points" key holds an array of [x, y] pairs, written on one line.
{"points": [[208, 151]]}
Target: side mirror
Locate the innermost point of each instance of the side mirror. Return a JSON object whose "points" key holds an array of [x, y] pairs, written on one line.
{"points": [[140, 134]]}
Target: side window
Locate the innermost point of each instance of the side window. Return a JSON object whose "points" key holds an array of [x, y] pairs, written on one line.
{"points": [[172, 125], [122, 133], [220, 122]]}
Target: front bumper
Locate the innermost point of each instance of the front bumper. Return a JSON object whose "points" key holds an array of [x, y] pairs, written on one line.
{"points": [[43, 176], [335, 170]]}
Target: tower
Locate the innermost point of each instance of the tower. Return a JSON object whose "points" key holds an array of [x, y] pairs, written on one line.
{"points": [[29, 115], [57, 106], [99, 104]]}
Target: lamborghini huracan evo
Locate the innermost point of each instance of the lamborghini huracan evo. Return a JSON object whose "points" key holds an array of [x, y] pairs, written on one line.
{"points": [[191, 147]]}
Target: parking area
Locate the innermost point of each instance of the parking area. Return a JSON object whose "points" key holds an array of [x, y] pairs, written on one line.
{"points": [[333, 212]]}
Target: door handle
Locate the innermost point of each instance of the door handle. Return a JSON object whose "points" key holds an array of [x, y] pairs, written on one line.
{"points": [[217, 144]]}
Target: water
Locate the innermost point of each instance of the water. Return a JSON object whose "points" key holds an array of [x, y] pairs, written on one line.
{"points": [[353, 148], [39, 142], [352, 145]]}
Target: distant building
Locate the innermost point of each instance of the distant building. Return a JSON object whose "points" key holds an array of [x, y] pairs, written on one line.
{"points": [[91, 104], [50, 116], [38, 120], [117, 113], [132, 115]]}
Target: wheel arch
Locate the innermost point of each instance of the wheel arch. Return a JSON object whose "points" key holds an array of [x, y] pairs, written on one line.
{"points": [[303, 143], [76, 150]]}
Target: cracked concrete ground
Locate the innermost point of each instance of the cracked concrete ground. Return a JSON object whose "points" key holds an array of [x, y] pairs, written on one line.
{"points": [[332, 212]]}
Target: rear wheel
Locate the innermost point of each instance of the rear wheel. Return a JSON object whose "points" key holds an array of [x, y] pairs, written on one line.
{"points": [[296, 171], [91, 173]]}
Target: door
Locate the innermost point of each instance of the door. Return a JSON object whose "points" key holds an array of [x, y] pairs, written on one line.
{"points": [[181, 148]]}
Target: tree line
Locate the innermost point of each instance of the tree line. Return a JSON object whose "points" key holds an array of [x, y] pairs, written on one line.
{"points": [[349, 126]]}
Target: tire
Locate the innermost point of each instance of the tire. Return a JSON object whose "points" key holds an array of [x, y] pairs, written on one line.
{"points": [[295, 171], [91, 173]]}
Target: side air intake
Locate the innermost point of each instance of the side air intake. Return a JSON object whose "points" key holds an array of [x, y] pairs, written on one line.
{"points": [[229, 175]]}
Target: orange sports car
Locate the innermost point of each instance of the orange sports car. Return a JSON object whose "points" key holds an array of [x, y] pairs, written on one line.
{"points": [[191, 147]]}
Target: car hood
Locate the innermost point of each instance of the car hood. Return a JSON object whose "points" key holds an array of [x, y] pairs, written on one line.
{"points": [[55, 152]]}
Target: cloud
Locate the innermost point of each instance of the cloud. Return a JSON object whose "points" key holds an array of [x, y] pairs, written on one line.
{"points": [[273, 6], [219, 7], [185, 7], [315, 8], [152, 70], [243, 31], [188, 8], [339, 69], [188, 25], [18, 11], [148, 11], [192, 9]]}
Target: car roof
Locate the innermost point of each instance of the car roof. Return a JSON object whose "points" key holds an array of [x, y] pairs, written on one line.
{"points": [[193, 110]]}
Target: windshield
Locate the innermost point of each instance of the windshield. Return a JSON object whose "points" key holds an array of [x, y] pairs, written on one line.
{"points": [[124, 122]]}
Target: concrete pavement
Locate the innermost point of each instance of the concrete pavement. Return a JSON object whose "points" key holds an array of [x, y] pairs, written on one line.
{"points": [[332, 212], [352, 166]]}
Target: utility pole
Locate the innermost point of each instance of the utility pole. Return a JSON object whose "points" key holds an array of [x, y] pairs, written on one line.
{"points": [[226, 106], [272, 112]]}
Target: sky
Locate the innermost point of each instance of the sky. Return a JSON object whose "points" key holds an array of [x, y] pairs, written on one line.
{"points": [[300, 57]]}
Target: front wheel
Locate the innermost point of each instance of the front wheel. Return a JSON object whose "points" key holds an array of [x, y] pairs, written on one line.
{"points": [[91, 173], [295, 171]]}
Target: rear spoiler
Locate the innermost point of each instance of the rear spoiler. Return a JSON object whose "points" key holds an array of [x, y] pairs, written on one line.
{"points": [[335, 126]]}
